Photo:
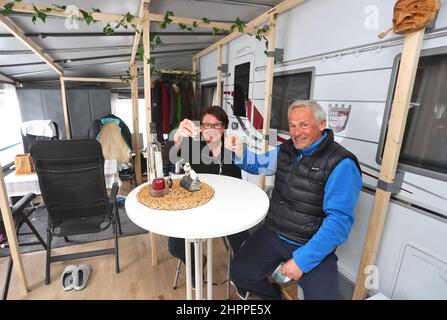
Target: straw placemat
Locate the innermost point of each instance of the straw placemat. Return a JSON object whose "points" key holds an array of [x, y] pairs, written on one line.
{"points": [[178, 198]]}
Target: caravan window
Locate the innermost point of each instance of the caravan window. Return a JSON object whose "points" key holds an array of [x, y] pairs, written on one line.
{"points": [[208, 96], [241, 87], [424, 146], [11, 138], [288, 87]]}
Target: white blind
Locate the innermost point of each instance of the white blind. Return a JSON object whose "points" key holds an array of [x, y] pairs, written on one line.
{"points": [[10, 136]]}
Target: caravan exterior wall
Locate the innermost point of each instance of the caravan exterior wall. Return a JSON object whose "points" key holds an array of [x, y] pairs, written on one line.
{"points": [[353, 77]]}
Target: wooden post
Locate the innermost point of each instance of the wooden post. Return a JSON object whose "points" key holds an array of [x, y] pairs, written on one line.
{"points": [[219, 76], [136, 38], [12, 236], [268, 88], [64, 105], [194, 84], [83, 79], [402, 98], [147, 103], [136, 127]]}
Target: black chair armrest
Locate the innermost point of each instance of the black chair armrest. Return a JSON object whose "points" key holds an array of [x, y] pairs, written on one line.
{"points": [[22, 203], [114, 192]]}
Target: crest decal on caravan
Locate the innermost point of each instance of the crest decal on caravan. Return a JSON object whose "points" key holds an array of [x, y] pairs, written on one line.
{"points": [[338, 117]]}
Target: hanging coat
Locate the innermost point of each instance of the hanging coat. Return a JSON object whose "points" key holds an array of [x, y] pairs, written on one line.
{"points": [[165, 107], [156, 107], [191, 102], [176, 105]]}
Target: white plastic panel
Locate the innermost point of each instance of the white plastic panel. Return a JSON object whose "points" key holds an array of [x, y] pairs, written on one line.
{"points": [[403, 226], [359, 86], [418, 272]]}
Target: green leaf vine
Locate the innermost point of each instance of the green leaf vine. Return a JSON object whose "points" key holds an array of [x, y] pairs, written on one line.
{"points": [[126, 20]]}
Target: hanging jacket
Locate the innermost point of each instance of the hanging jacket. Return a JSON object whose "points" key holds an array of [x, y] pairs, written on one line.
{"points": [[165, 108], [96, 127], [178, 111], [173, 108], [156, 112]]}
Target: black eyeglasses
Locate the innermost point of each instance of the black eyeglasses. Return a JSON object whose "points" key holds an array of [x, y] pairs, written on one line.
{"points": [[217, 125]]}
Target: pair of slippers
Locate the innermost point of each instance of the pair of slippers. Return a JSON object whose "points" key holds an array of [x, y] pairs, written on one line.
{"points": [[75, 277]]}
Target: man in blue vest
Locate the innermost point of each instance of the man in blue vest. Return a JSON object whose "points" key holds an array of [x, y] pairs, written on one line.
{"points": [[317, 185]]}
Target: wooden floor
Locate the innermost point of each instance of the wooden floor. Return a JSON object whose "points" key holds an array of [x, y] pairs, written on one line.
{"points": [[137, 279]]}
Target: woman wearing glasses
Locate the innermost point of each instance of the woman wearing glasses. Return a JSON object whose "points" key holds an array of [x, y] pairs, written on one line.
{"points": [[203, 147]]}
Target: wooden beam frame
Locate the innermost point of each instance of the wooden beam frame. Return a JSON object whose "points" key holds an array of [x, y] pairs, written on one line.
{"points": [[64, 79], [136, 126], [81, 79], [268, 88], [190, 21], [137, 37], [191, 73], [219, 76], [194, 82], [147, 102], [6, 79], [280, 8], [402, 98], [12, 235], [65, 108], [20, 35], [23, 7]]}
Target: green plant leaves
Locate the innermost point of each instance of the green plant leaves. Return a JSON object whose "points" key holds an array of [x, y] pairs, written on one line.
{"points": [[157, 41], [167, 20], [59, 7], [140, 53], [108, 30], [239, 25], [129, 17], [87, 17], [39, 14], [127, 77], [7, 8]]}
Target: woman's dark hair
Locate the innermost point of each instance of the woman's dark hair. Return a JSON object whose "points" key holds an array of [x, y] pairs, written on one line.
{"points": [[218, 112]]}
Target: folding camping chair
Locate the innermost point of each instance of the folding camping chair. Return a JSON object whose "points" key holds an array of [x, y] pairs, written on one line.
{"points": [[71, 179]]}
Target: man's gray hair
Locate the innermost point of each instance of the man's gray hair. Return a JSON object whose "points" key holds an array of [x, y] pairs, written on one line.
{"points": [[319, 113]]}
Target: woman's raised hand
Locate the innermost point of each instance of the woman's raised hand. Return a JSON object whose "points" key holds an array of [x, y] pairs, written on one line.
{"points": [[235, 144], [186, 128]]}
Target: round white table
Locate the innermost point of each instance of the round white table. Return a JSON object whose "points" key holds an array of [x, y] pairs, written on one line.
{"points": [[237, 205]]}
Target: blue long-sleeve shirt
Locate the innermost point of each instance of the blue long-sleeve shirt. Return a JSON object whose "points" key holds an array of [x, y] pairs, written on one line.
{"points": [[341, 193]]}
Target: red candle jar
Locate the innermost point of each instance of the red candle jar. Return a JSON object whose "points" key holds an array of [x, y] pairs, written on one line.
{"points": [[158, 184]]}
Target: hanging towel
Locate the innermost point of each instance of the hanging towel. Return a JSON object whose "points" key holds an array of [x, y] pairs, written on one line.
{"points": [[41, 128]]}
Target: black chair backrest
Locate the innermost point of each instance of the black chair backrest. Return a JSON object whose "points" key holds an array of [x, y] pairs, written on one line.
{"points": [[71, 179]]}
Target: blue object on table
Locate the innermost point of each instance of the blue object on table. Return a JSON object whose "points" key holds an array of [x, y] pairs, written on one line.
{"points": [[121, 200]]}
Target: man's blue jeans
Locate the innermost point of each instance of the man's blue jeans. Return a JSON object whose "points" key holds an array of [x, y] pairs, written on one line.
{"points": [[263, 252]]}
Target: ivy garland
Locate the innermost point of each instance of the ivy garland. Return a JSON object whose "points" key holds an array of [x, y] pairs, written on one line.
{"points": [[109, 29]]}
